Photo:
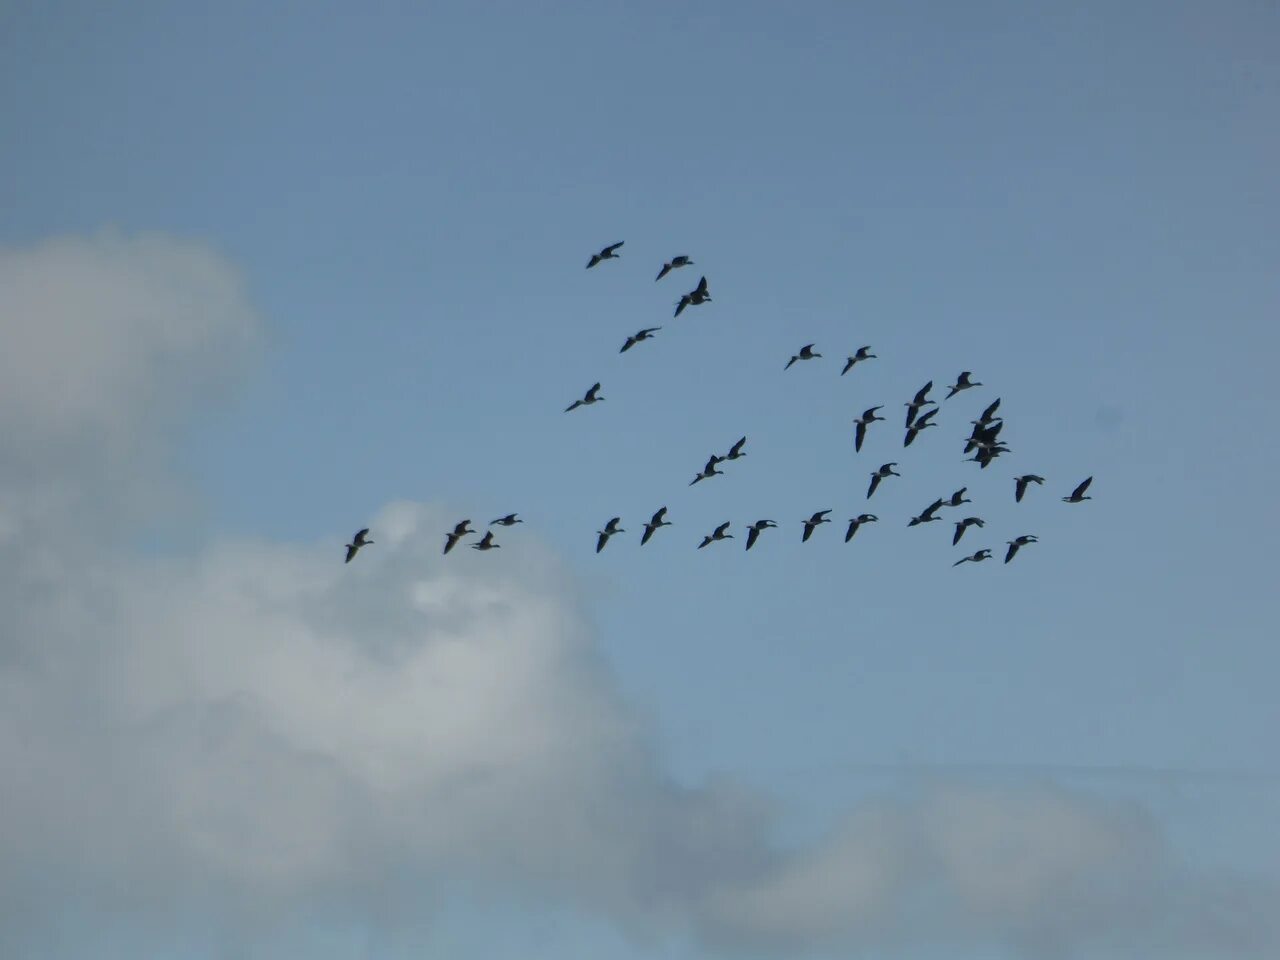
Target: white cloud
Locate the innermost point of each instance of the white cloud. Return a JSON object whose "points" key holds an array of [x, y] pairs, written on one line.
{"points": [[260, 728]]}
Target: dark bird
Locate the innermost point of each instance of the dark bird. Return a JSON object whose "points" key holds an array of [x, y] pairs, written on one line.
{"points": [[806, 353], [645, 334], [868, 417], [675, 263], [654, 523], [986, 454], [753, 531], [864, 353], [924, 421], [963, 525], [695, 297], [1015, 545], [459, 531], [811, 524], [962, 383], [1021, 485], [486, 542], [958, 498], [719, 534], [974, 558], [608, 253], [858, 521], [989, 414], [588, 398], [886, 470], [708, 471], [510, 520], [361, 539], [929, 513], [609, 530], [1078, 493], [735, 452], [917, 402], [982, 435]]}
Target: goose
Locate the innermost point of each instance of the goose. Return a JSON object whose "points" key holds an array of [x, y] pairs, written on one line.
{"points": [[858, 521], [965, 524], [735, 452], [753, 531], [486, 542], [654, 523], [608, 253], [928, 515], [819, 516], [588, 398], [609, 530], [982, 435], [708, 471], [978, 557], [361, 539], [1021, 485], [958, 498], [863, 353], [917, 402], [886, 470], [510, 520], [645, 334], [1078, 493], [989, 414], [985, 455], [868, 417], [718, 534], [924, 421], [806, 353], [1014, 545], [675, 263], [460, 530], [962, 383], [695, 297]]}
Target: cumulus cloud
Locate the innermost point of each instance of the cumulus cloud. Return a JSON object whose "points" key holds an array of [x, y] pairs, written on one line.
{"points": [[255, 729]]}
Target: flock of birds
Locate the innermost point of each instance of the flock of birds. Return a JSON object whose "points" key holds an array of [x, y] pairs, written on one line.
{"points": [[983, 442]]}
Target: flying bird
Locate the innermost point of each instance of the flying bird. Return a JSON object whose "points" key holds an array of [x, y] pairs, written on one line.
{"points": [[962, 383], [864, 353], [958, 498], [1014, 545], [1021, 485], [361, 539], [753, 531], [510, 520], [654, 523], [1078, 493], [868, 417], [811, 524], [924, 421], [719, 534], [917, 402], [989, 414], [806, 353], [486, 542], [708, 471], [675, 263], [735, 452], [588, 398], [858, 521], [982, 435], [460, 530], [608, 253], [974, 558], [695, 297], [645, 334], [886, 470], [963, 525], [609, 530], [929, 513]]}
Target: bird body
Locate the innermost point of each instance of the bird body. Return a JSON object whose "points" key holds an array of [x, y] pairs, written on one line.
{"points": [[675, 263], [590, 397], [608, 253], [819, 516], [361, 539]]}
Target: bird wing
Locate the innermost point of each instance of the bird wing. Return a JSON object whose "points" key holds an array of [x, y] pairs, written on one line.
{"points": [[848, 365], [853, 528], [808, 529], [752, 533], [658, 516], [1013, 548], [573, 406], [351, 552], [923, 392], [666, 268], [613, 246], [360, 535], [722, 528], [595, 258], [450, 541], [961, 526], [991, 409], [631, 342], [911, 435], [702, 287], [859, 435], [1020, 489], [1079, 491], [612, 525], [684, 302], [737, 447], [932, 508], [926, 417], [790, 362], [648, 532], [601, 541], [648, 330], [591, 394]]}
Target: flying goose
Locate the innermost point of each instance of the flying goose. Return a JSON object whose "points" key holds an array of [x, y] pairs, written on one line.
{"points": [[868, 417], [958, 498], [1078, 493], [1021, 541], [864, 353], [708, 471], [978, 557], [609, 530], [460, 530], [510, 520], [806, 353], [962, 383], [929, 513], [811, 524], [608, 253], [989, 414], [922, 422], [963, 525], [654, 523], [645, 334], [886, 470], [695, 297], [588, 398], [361, 539], [675, 263], [858, 521], [753, 531], [486, 542], [719, 534], [1021, 485], [735, 452], [917, 402]]}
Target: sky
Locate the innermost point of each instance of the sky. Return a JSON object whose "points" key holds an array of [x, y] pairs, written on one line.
{"points": [[272, 273]]}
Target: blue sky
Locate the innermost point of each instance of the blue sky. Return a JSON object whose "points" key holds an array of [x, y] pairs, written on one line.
{"points": [[1077, 204]]}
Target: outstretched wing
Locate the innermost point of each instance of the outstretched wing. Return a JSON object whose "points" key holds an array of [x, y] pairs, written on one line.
{"points": [[753, 532], [875, 482]]}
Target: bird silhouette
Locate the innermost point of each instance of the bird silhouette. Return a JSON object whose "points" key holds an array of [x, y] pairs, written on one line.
{"points": [[608, 253], [718, 534], [1020, 485], [645, 334], [858, 521], [588, 398], [886, 470], [675, 263], [654, 523], [1078, 493], [806, 353], [811, 524], [863, 353], [753, 531], [609, 530], [358, 541], [460, 530]]}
